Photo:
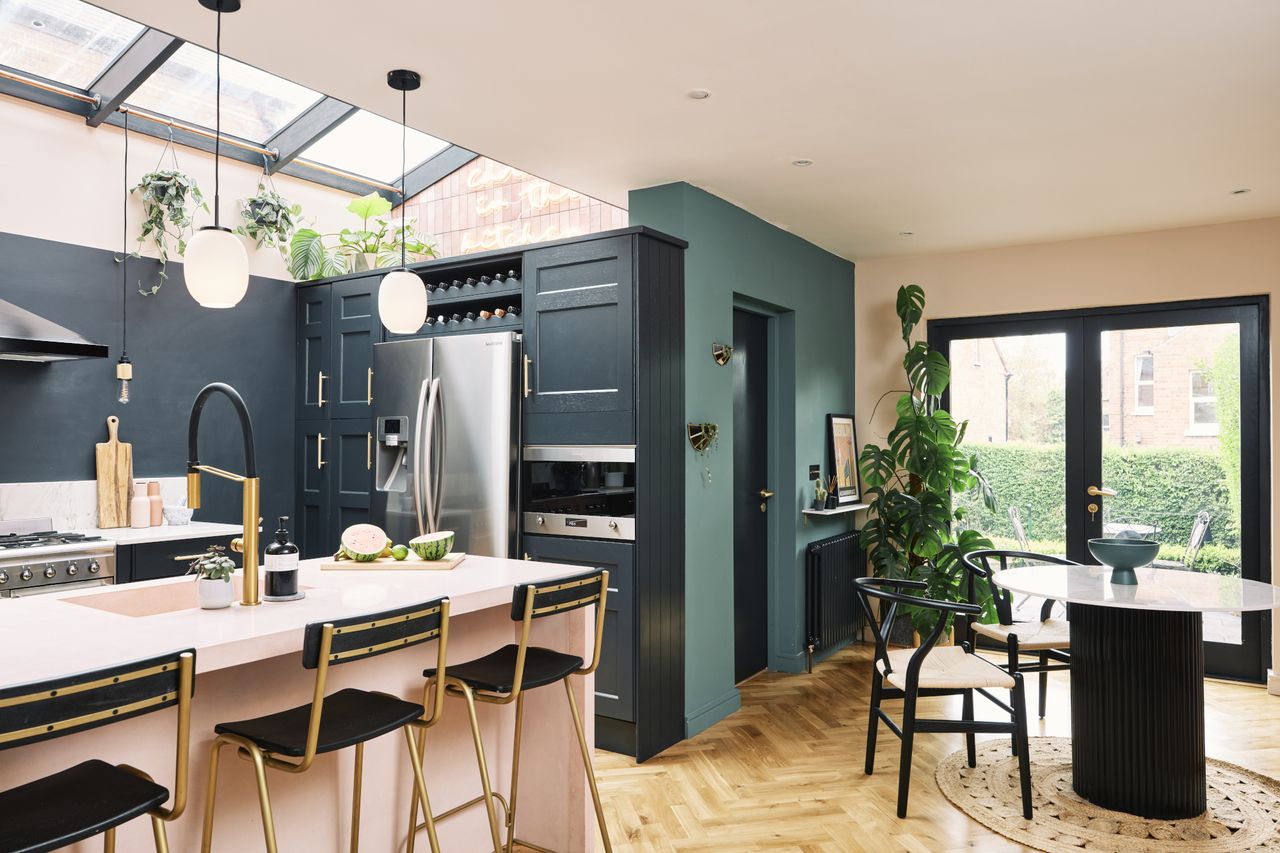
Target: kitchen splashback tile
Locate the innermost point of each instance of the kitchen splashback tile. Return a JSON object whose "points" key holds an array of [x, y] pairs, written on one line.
{"points": [[72, 504]]}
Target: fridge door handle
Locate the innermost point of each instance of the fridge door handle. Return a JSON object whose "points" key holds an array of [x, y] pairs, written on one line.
{"points": [[437, 459], [417, 450], [427, 472]]}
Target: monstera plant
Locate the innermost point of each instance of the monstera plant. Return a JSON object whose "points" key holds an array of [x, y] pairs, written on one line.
{"points": [[912, 532]]}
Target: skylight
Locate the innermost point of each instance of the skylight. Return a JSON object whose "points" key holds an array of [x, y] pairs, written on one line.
{"points": [[255, 104], [368, 144], [62, 40]]}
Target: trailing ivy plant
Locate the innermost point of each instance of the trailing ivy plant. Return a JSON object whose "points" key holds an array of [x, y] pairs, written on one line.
{"points": [[269, 219], [311, 257], [911, 528], [167, 197]]}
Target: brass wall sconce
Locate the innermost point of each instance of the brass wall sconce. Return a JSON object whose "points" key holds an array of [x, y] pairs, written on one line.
{"points": [[702, 436], [721, 353]]}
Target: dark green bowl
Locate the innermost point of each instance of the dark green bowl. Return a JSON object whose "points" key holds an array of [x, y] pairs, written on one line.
{"points": [[1124, 554]]}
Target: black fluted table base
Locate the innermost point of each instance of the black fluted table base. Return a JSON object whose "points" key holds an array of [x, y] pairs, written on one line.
{"points": [[1137, 710]]}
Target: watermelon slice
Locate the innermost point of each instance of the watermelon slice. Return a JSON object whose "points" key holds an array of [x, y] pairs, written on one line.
{"points": [[364, 543], [433, 546]]}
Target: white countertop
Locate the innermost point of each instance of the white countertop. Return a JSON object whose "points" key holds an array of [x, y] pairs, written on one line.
{"points": [[164, 533], [45, 636], [1156, 589]]}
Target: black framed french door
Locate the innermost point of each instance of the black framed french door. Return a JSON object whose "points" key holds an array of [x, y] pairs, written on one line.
{"points": [[1166, 406]]}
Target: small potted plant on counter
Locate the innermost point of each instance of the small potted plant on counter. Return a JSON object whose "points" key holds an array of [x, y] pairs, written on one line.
{"points": [[213, 578]]}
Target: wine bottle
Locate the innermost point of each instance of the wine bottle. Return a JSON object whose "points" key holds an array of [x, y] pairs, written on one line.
{"points": [[470, 316], [485, 281], [499, 313], [485, 315], [513, 310], [498, 278]]}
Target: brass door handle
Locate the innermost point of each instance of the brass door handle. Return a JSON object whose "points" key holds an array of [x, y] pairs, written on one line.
{"points": [[319, 451], [527, 362], [1096, 492], [766, 494], [369, 388], [320, 378]]}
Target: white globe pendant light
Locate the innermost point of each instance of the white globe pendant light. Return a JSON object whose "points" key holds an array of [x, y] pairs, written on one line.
{"points": [[216, 266], [402, 300]]}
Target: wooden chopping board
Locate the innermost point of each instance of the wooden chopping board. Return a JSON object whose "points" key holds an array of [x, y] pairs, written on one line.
{"points": [[115, 474], [389, 564]]}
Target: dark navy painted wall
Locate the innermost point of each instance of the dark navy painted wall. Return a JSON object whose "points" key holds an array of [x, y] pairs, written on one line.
{"points": [[54, 414]]}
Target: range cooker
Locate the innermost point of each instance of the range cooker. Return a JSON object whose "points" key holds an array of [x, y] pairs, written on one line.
{"points": [[36, 559]]}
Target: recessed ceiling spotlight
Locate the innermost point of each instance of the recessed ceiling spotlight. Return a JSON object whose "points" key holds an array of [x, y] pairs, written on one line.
{"points": [[802, 162], [699, 94], [906, 233], [38, 24], [1241, 191]]}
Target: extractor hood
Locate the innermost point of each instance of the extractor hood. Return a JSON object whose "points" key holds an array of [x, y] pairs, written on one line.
{"points": [[28, 337]]}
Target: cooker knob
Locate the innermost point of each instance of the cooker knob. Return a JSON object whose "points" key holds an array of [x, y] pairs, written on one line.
{"points": [[73, 569], [613, 525], [541, 521], [49, 570], [94, 568], [26, 573], [4, 578]]}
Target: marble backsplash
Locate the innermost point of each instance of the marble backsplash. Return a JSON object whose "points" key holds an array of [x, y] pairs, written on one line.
{"points": [[73, 505]]}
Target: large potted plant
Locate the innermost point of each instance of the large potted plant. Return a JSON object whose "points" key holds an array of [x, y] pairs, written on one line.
{"points": [[374, 244], [912, 530]]}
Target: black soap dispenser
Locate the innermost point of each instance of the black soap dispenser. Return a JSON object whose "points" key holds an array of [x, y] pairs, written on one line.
{"points": [[281, 567]]}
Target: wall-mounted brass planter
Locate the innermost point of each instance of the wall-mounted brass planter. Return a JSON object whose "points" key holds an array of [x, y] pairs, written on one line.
{"points": [[721, 353], [702, 436]]}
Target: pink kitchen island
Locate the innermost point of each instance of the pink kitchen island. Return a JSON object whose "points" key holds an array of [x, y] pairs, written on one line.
{"points": [[248, 662]]}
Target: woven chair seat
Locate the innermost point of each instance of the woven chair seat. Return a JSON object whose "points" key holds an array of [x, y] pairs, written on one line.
{"points": [[948, 667], [1032, 636]]}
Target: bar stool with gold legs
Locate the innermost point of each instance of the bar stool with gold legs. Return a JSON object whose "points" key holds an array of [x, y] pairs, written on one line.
{"points": [[93, 797], [504, 676], [349, 717]]}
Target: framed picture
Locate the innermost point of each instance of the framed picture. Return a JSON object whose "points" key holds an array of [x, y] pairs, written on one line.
{"points": [[842, 457]]}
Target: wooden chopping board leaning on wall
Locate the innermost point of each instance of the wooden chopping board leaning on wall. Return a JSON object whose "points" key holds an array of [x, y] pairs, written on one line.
{"points": [[115, 474]]}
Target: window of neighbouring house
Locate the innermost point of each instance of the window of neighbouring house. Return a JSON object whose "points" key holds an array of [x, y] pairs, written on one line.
{"points": [[1144, 384], [1203, 405]]}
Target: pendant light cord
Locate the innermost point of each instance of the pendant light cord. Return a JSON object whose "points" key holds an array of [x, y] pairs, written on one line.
{"points": [[404, 168], [217, 114], [124, 248]]}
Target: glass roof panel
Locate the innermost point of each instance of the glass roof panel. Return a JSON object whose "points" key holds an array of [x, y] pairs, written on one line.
{"points": [[369, 145], [63, 40], [255, 104]]}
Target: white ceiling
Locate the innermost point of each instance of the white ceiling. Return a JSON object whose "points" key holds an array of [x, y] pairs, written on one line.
{"points": [[979, 123]]}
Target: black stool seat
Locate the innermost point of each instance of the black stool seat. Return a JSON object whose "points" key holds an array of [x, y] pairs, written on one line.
{"points": [[496, 672], [73, 804], [350, 716]]}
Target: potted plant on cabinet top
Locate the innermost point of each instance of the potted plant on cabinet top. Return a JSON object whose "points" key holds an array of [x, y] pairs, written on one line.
{"points": [[911, 528], [370, 246], [213, 578]]}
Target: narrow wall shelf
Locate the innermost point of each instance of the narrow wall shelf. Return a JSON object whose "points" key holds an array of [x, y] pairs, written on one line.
{"points": [[840, 510]]}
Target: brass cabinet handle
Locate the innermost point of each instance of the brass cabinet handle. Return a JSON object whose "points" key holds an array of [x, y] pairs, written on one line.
{"points": [[320, 401], [319, 451], [766, 494], [186, 558], [368, 451], [1096, 492], [369, 388], [527, 362]]}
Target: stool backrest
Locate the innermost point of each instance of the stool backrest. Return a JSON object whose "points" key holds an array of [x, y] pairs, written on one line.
{"points": [[44, 710], [532, 601], [359, 637]]}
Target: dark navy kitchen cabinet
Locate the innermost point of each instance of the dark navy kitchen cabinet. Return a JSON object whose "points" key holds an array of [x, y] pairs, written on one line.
{"points": [[354, 329], [313, 454], [151, 560], [350, 473], [314, 352], [615, 678], [580, 343]]}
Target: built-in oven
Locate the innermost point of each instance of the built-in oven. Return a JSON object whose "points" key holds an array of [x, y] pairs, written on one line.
{"points": [[586, 491]]}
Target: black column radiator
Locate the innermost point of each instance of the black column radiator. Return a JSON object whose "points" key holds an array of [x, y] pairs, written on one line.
{"points": [[831, 612]]}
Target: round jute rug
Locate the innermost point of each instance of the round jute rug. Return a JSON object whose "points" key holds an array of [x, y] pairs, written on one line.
{"points": [[1244, 807]]}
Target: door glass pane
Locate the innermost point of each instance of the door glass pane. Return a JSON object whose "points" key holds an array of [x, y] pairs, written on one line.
{"points": [[63, 40], [1012, 390], [1171, 448]]}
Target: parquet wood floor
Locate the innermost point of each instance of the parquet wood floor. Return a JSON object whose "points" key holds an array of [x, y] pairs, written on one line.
{"points": [[785, 772]]}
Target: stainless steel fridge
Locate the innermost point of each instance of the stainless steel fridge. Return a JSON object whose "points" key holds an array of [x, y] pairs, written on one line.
{"points": [[447, 417]]}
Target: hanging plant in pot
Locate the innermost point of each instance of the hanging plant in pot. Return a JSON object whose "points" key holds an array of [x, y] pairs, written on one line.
{"points": [[213, 572], [375, 244], [167, 197], [269, 219], [912, 532]]}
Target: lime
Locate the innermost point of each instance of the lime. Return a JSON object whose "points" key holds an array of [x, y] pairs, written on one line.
{"points": [[399, 552]]}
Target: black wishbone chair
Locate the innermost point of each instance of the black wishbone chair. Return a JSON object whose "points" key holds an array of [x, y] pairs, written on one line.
{"points": [[504, 676], [93, 797], [1048, 640], [290, 740], [928, 671]]}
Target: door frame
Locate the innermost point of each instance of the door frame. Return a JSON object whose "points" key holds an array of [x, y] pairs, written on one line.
{"points": [[785, 652], [1255, 456]]}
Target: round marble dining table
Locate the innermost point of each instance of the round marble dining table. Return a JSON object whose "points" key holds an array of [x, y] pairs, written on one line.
{"points": [[1137, 678]]}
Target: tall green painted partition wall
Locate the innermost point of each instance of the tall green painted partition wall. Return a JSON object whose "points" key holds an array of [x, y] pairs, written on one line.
{"points": [[735, 258]]}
